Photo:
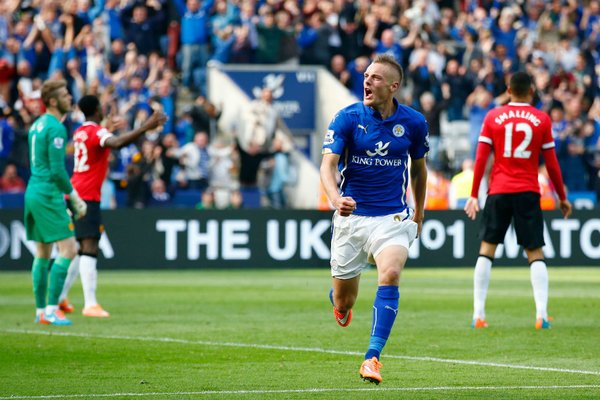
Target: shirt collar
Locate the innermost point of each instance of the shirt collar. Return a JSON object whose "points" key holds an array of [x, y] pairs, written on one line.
{"points": [[375, 114]]}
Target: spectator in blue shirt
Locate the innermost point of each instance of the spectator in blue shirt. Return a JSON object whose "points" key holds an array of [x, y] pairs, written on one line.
{"points": [[165, 94], [142, 29], [112, 18], [504, 33], [195, 36], [357, 68], [7, 138], [313, 41], [387, 44], [479, 102], [223, 23], [460, 87]]}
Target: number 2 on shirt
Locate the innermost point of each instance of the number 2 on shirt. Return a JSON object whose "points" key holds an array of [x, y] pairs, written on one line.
{"points": [[81, 157], [521, 150]]}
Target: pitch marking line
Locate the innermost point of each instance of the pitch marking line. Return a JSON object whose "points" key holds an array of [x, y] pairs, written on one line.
{"points": [[314, 390], [304, 349]]}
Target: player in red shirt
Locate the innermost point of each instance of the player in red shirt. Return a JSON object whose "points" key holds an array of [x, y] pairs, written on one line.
{"points": [[93, 143], [517, 134]]}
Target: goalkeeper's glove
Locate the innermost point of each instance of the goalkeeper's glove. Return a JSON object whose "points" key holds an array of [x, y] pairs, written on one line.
{"points": [[78, 205]]}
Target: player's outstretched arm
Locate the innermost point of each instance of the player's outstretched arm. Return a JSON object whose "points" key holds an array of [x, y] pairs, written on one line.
{"points": [[344, 205], [157, 119]]}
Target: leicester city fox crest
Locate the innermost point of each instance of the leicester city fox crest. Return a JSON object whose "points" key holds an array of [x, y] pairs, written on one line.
{"points": [[398, 130]]}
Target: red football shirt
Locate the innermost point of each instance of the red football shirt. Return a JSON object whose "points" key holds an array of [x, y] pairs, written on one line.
{"points": [[91, 160], [518, 133]]}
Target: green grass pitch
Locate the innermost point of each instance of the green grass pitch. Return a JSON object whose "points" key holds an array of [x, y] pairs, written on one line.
{"points": [[270, 334]]}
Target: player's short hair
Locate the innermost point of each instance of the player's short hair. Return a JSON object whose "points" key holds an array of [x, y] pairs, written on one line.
{"points": [[391, 61], [88, 105], [49, 89], [520, 84]]}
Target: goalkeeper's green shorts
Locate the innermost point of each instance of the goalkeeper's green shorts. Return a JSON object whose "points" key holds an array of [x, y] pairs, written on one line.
{"points": [[46, 218]]}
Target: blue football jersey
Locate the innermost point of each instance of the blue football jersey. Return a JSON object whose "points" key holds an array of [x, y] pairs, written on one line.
{"points": [[374, 155]]}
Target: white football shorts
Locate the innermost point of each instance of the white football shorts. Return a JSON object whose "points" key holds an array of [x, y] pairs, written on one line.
{"points": [[357, 240]]}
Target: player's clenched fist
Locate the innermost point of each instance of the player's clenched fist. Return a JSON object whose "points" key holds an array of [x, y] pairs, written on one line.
{"points": [[345, 205], [157, 119]]}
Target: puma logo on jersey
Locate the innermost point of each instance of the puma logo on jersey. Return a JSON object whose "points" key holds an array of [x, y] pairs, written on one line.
{"points": [[395, 311], [380, 150], [364, 128]]}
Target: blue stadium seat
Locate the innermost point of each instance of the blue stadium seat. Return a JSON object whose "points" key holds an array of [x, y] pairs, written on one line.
{"points": [[186, 198], [251, 196], [121, 196], [582, 200], [12, 200]]}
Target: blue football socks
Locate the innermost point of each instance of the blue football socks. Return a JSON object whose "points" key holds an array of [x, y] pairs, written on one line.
{"points": [[385, 309]]}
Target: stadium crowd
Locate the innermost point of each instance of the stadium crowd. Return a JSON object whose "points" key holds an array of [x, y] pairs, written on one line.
{"points": [[139, 55]]}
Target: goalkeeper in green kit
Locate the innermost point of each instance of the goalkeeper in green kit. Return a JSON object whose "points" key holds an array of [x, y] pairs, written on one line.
{"points": [[47, 220]]}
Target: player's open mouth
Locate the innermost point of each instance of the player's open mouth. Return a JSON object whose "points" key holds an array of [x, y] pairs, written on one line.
{"points": [[368, 93]]}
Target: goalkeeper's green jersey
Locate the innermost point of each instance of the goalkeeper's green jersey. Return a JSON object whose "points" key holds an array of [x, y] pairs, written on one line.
{"points": [[47, 142]]}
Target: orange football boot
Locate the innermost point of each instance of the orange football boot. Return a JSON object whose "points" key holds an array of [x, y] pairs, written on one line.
{"points": [[479, 323], [341, 318], [65, 306], [369, 370], [95, 311]]}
